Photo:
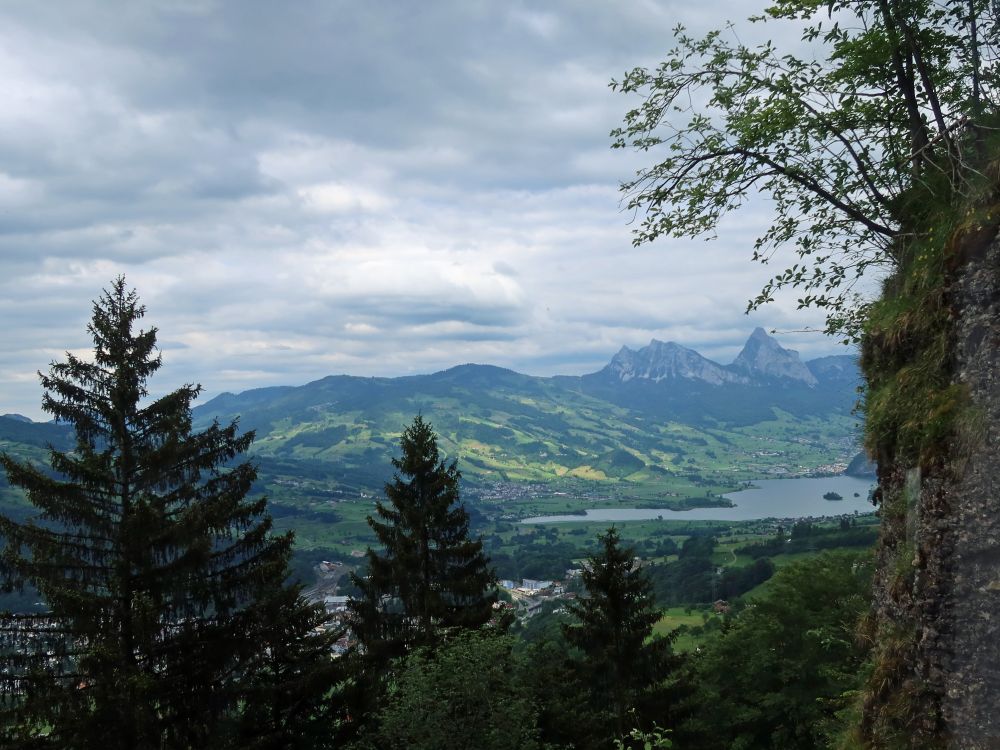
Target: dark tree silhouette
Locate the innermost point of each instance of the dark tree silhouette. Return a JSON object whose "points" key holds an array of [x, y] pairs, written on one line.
{"points": [[624, 669], [429, 574], [167, 608]]}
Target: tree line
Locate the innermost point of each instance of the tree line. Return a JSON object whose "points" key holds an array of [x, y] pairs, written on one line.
{"points": [[169, 620]]}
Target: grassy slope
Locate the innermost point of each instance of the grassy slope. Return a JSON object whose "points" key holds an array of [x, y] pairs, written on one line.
{"points": [[525, 445], [506, 427]]}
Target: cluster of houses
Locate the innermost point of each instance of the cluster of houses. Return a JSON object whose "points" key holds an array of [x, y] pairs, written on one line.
{"points": [[325, 591], [529, 595]]}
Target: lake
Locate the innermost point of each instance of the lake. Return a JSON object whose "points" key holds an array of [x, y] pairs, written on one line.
{"points": [[769, 498]]}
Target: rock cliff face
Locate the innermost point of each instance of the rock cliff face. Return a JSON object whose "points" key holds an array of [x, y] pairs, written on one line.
{"points": [[968, 645], [936, 614]]}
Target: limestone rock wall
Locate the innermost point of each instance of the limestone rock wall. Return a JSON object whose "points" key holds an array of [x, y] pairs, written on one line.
{"points": [[969, 645], [936, 616]]}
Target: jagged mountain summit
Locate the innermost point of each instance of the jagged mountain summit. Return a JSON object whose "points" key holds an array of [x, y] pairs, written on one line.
{"points": [[764, 357], [671, 381], [763, 361], [668, 361]]}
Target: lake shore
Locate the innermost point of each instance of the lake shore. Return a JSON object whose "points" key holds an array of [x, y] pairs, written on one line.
{"points": [[768, 498]]}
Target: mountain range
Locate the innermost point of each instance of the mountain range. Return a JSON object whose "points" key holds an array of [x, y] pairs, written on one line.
{"points": [[763, 361], [661, 410]]}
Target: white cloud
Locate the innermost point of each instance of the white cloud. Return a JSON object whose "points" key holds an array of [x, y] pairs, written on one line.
{"points": [[336, 198]]}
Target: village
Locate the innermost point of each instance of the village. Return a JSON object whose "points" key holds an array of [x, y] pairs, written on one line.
{"points": [[517, 601]]}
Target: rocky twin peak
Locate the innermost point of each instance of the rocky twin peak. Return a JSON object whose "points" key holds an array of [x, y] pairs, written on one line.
{"points": [[762, 359]]}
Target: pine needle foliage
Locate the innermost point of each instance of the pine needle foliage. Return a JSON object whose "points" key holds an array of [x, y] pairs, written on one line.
{"points": [[613, 626], [167, 608], [430, 574]]}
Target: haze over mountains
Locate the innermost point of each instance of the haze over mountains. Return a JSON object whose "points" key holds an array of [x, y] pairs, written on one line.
{"points": [[661, 409]]}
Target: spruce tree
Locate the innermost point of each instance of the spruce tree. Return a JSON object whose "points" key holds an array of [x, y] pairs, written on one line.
{"points": [[429, 573], [623, 668], [168, 617]]}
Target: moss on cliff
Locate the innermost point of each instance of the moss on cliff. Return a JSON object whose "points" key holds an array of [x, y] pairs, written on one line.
{"points": [[920, 425]]}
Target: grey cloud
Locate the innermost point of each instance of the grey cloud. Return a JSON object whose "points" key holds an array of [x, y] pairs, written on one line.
{"points": [[505, 269], [395, 75], [332, 186]]}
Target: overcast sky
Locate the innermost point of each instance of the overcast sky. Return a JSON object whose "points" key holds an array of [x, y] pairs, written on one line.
{"points": [[374, 188]]}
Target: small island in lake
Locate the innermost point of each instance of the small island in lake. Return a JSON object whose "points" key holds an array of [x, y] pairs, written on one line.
{"points": [[832, 496]]}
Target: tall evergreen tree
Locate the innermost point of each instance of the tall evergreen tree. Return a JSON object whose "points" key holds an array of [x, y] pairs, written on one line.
{"points": [[624, 669], [429, 574], [167, 606]]}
